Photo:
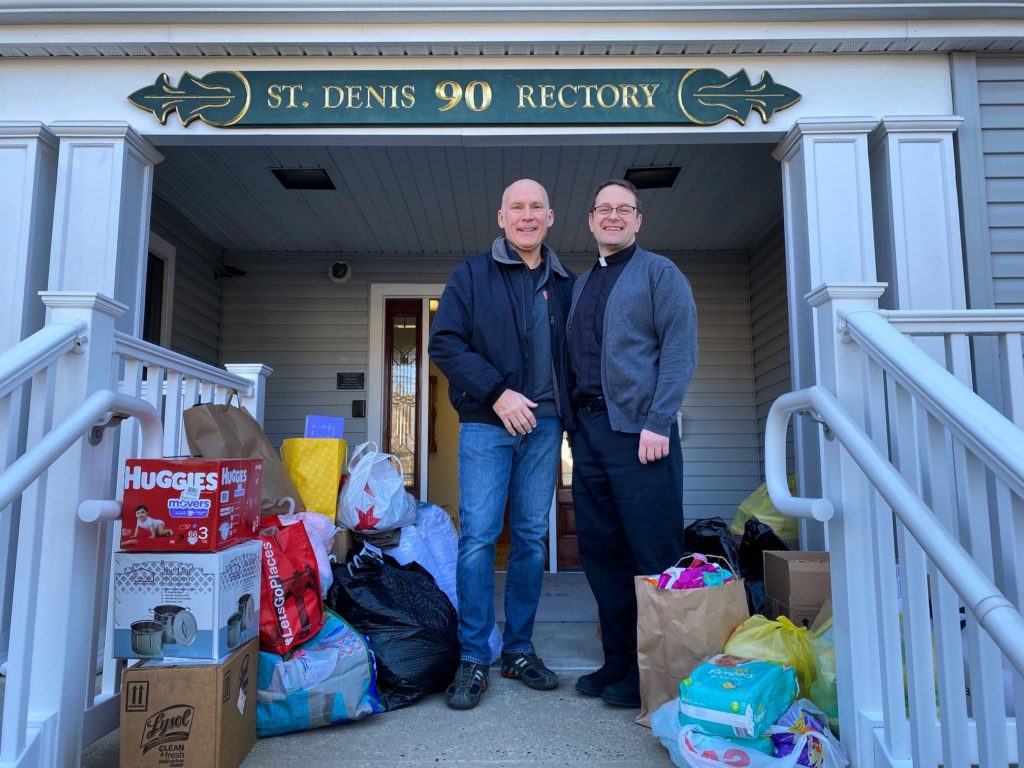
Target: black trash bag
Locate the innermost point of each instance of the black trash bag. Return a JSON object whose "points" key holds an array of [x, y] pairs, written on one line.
{"points": [[712, 537], [408, 621], [758, 538]]}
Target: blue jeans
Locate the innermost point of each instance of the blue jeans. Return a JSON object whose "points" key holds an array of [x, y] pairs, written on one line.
{"points": [[494, 467]]}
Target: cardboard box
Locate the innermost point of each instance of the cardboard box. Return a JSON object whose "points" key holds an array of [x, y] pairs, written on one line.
{"points": [[189, 715], [189, 505], [796, 585], [186, 605]]}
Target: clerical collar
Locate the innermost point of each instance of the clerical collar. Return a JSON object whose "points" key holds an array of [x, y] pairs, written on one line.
{"points": [[618, 257]]}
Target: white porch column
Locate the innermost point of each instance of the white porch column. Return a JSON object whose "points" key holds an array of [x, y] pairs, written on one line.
{"points": [[58, 590], [827, 200], [917, 217], [257, 373], [101, 215], [28, 173]]}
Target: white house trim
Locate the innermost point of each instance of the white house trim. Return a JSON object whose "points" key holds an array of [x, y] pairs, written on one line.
{"points": [[164, 251]]}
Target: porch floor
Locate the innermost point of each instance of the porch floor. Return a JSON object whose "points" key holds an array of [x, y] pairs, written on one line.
{"points": [[512, 726]]}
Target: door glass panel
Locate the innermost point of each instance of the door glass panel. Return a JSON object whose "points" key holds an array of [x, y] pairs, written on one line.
{"points": [[403, 339]]}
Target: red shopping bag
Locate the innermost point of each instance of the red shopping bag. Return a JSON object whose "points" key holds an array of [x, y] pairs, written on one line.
{"points": [[291, 606]]}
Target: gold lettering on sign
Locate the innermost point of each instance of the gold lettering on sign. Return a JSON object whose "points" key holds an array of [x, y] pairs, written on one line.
{"points": [[526, 95], [587, 95], [649, 93], [385, 95], [275, 97], [561, 98]]}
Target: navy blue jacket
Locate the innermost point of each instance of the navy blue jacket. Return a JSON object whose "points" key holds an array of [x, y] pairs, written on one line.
{"points": [[478, 338]]}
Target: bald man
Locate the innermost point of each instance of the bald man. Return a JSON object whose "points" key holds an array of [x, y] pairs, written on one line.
{"points": [[499, 337]]}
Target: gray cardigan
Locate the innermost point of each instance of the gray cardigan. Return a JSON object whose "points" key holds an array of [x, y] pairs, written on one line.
{"points": [[649, 350]]}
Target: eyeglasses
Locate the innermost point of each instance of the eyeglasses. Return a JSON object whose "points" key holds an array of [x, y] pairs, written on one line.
{"points": [[606, 210]]}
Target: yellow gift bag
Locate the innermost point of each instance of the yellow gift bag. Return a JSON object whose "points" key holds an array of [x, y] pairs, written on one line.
{"points": [[314, 465]]}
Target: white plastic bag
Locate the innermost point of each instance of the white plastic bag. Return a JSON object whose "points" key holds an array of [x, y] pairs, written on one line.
{"points": [[374, 497], [689, 748], [433, 543]]}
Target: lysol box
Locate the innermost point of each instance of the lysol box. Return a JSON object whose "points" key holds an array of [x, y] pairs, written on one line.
{"points": [[189, 505], [180, 713], [188, 605]]}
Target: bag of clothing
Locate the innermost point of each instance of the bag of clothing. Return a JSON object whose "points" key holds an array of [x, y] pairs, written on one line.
{"points": [[291, 606], [759, 505], [711, 536], [433, 543], [374, 497], [326, 680], [321, 531], [779, 641], [676, 630], [410, 624], [758, 538]]}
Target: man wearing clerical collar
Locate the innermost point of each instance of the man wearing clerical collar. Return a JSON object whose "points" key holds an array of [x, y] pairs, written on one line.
{"points": [[632, 351]]}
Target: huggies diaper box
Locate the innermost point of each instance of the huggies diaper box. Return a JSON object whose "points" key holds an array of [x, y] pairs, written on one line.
{"points": [[189, 505], [186, 605]]}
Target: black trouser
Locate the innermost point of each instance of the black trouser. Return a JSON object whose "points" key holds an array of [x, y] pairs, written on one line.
{"points": [[629, 518]]}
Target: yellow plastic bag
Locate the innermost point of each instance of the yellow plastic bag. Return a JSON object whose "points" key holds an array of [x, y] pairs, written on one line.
{"points": [[314, 465], [760, 506], [780, 641], [824, 691]]}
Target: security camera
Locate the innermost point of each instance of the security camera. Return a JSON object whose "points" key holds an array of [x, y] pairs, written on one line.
{"points": [[339, 271]]}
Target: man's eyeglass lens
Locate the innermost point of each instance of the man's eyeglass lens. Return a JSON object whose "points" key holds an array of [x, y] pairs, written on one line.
{"points": [[622, 210]]}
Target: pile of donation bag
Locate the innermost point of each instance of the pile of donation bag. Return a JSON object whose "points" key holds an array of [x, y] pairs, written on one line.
{"points": [[732, 670], [250, 612]]}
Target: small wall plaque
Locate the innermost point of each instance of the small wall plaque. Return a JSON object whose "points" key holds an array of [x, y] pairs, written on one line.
{"points": [[352, 380]]}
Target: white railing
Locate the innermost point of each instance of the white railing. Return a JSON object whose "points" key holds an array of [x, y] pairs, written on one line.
{"points": [[79, 381], [941, 520]]}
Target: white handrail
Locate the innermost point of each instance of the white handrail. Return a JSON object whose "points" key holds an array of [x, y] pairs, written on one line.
{"points": [[44, 347], [975, 423], [137, 349], [927, 322], [17, 477], [994, 612]]}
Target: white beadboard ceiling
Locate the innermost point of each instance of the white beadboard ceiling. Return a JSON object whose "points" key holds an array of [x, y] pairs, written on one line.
{"points": [[423, 200]]}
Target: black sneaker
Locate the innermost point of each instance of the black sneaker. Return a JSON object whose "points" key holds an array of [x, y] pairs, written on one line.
{"points": [[625, 693], [530, 669], [594, 683], [470, 681]]}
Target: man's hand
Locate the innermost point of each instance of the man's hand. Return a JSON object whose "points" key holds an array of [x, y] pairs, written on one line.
{"points": [[514, 411], [652, 446]]}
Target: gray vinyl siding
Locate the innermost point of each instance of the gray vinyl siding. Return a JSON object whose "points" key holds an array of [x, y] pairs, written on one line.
{"points": [[195, 325], [1001, 98], [769, 318], [287, 314]]}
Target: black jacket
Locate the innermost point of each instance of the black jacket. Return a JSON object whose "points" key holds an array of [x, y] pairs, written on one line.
{"points": [[478, 338]]}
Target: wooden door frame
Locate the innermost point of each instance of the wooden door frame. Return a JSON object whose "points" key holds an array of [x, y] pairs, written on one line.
{"points": [[375, 380]]}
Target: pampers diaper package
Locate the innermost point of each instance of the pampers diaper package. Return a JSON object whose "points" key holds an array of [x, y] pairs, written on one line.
{"points": [[736, 697]]}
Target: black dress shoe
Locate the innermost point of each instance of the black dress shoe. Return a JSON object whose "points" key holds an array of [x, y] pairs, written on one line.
{"points": [[593, 684], [625, 693]]}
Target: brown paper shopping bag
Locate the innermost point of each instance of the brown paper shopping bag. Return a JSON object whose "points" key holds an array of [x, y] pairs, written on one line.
{"points": [[676, 630], [227, 432]]}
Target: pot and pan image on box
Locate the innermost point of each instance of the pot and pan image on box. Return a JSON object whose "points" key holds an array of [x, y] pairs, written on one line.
{"points": [[241, 620], [171, 625]]}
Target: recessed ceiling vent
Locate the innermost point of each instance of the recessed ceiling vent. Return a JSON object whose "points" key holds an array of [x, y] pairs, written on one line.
{"points": [[652, 177], [303, 178]]}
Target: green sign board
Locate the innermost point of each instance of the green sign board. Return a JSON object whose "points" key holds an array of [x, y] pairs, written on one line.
{"points": [[464, 98]]}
